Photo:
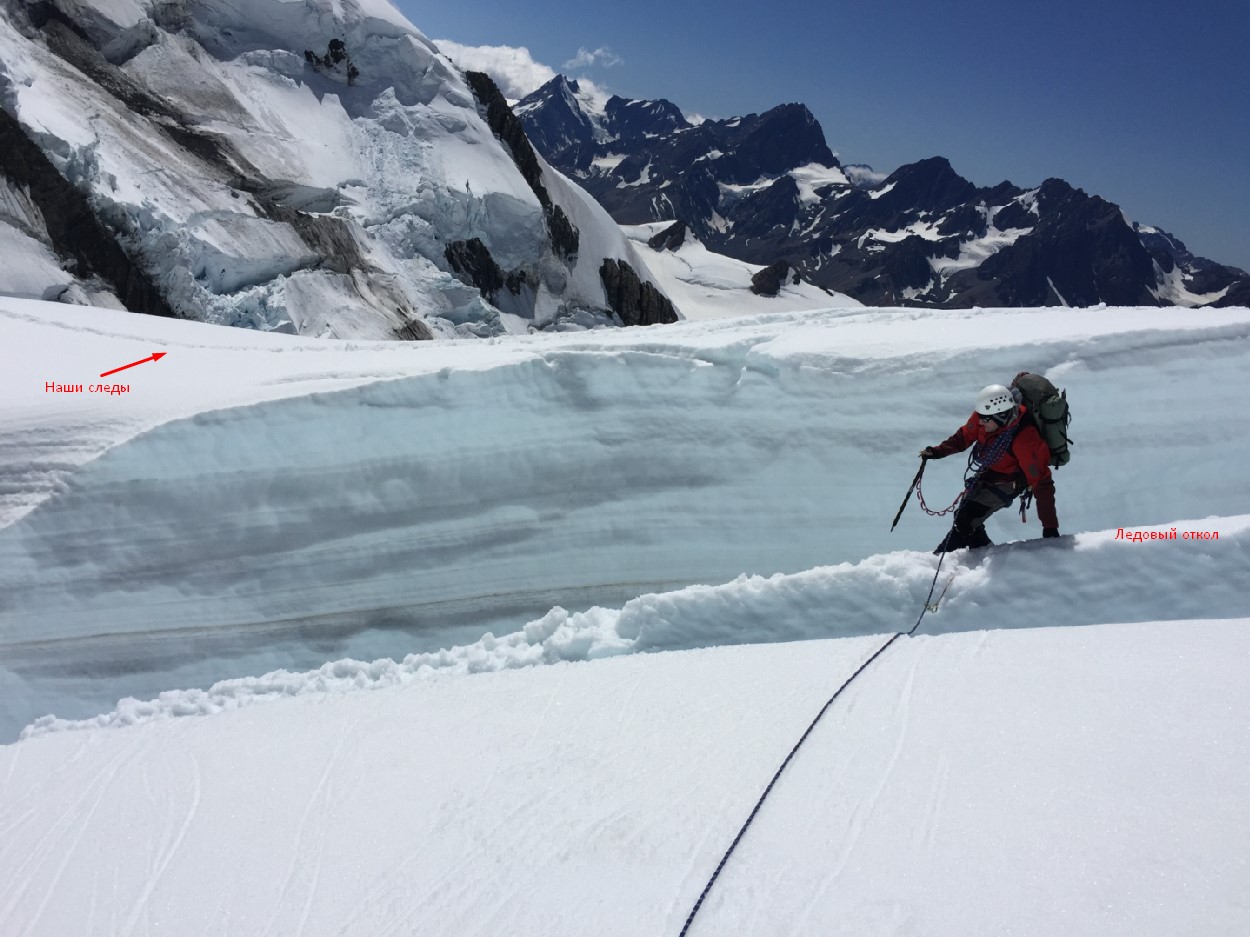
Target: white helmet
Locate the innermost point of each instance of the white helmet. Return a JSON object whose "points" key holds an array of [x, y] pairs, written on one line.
{"points": [[995, 400]]}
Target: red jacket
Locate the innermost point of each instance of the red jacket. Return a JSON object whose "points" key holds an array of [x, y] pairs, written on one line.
{"points": [[1028, 454]]}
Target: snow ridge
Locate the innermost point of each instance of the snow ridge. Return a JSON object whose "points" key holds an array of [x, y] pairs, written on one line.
{"points": [[1158, 579]]}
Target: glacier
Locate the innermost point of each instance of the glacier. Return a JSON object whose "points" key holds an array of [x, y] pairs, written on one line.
{"points": [[294, 167], [275, 502]]}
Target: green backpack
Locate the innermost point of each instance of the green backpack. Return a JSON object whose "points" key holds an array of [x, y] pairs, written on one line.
{"points": [[1049, 408]]}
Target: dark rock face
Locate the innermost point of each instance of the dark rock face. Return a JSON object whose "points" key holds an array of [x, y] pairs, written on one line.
{"points": [[565, 237], [473, 263], [766, 213], [670, 239], [414, 331], [77, 234], [921, 236], [643, 161], [768, 282], [774, 142], [504, 124], [633, 300], [635, 119], [1081, 249], [930, 185], [560, 127], [335, 60]]}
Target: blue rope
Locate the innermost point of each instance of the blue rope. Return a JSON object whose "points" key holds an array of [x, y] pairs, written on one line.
{"points": [[983, 456]]}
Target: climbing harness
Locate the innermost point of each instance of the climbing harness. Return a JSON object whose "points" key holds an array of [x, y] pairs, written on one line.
{"points": [[929, 605], [979, 460]]}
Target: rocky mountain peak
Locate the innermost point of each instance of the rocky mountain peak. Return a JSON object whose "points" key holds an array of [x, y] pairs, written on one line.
{"points": [[928, 185], [628, 119], [765, 188]]}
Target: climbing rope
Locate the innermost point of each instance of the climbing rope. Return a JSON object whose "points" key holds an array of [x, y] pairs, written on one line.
{"points": [[980, 458], [759, 803]]}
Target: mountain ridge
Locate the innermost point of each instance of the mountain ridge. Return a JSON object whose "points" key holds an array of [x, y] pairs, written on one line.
{"points": [[765, 189]]}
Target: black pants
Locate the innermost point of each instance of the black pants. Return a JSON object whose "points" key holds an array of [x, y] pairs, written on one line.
{"points": [[993, 492]]}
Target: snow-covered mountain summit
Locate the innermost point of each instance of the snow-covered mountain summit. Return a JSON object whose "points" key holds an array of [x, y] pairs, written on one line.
{"points": [[766, 189], [316, 168]]}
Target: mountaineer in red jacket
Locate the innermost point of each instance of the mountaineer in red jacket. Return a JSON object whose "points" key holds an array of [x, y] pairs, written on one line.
{"points": [[1012, 457]]}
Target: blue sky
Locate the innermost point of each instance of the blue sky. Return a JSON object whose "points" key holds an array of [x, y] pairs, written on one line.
{"points": [[1144, 103]]}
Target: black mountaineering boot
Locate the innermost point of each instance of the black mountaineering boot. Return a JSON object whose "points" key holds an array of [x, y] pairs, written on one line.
{"points": [[955, 540], [979, 538]]}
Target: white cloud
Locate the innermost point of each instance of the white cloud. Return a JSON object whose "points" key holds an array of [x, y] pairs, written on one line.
{"points": [[862, 174], [602, 56], [512, 68], [517, 74]]}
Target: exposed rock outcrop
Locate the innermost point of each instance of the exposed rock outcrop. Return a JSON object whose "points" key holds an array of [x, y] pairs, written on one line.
{"points": [[670, 239], [504, 124], [77, 234], [473, 263], [635, 301], [768, 282]]}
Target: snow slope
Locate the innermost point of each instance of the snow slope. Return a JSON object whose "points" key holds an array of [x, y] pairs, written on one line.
{"points": [[380, 500], [260, 189], [1083, 781], [707, 285], [255, 501]]}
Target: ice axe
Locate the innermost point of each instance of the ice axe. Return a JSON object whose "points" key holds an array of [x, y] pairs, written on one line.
{"points": [[914, 482]]}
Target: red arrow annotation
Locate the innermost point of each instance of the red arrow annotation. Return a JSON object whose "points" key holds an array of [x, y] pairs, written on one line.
{"points": [[155, 356]]}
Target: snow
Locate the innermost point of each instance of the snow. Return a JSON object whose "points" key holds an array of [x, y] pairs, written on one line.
{"points": [[600, 236], [1173, 289], [593, 102], [607, 163], [528, 462], [1029, 201], [1060, 780], [1207, 577], [399, 161], [863, 176], [37, 272], [974, 252], [814, 176], [679, 539], [926, 229], [706, 285], [877, 193], [643, 178]]}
